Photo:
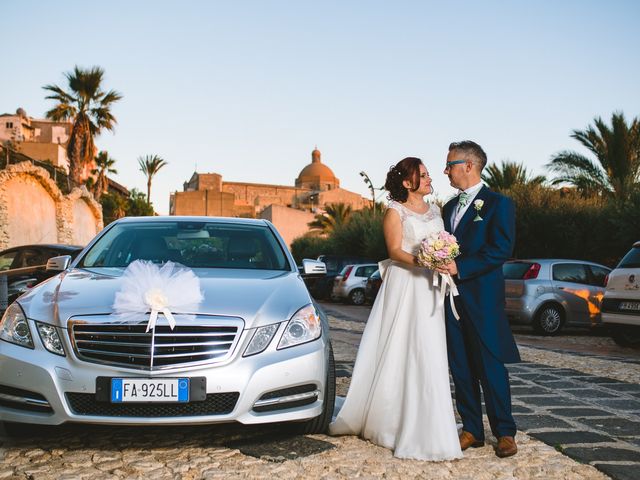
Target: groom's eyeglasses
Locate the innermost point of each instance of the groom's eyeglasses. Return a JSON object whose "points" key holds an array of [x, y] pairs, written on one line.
{"points": [[455, 162]]}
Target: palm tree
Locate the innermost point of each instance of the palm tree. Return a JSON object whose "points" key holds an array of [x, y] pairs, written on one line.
{"points": [[336, 214], [104, 164], [150, 165], [88, 107], [508, 175], [616, 168]]}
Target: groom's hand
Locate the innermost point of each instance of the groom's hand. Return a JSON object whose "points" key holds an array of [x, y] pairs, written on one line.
{"points": [[451, 268]]}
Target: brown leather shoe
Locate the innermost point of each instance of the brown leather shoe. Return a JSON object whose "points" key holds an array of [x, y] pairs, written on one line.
{"points": [[468, 440], [506, 447]]}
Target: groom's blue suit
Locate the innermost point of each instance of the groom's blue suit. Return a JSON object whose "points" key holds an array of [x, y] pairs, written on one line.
{"points": [[480, 343]]}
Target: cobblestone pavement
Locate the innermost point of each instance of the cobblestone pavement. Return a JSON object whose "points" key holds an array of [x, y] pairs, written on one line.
{"points": [[588, 410]]}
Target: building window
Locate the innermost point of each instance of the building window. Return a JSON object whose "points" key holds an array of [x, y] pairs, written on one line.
{"points": [[9, 124]]}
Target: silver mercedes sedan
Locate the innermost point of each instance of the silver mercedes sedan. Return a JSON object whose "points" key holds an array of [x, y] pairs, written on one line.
{"points": [[170, 320]]}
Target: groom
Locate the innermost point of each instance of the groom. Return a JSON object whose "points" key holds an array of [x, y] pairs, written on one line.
{"points": [[480, 342]]}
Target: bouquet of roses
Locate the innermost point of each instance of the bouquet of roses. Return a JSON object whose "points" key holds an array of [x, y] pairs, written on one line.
{"points": [[438, 249]]}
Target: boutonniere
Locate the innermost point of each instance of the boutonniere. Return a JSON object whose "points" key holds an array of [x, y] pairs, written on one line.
{"points": [[478, 204]]}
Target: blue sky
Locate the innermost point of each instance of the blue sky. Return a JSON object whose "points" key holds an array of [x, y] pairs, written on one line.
{"points": [[248, 88]]}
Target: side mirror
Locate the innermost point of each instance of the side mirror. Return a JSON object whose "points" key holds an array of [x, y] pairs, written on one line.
{"points": [[58, 264], [313, 267]]}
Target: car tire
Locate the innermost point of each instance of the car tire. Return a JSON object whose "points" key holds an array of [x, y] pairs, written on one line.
{"points": [[320, 424], [549, 319], [626, 335], [356, 296]]}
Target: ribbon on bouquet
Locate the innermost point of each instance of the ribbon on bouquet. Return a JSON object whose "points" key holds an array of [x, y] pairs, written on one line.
{"points": [[447, 287]]}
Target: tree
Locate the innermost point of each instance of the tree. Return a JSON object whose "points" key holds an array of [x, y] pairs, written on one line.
{"points": [[137, 206], [88, 107], [616, 168], [508, 175], [104, 164], [150, 165], [336, 214]]}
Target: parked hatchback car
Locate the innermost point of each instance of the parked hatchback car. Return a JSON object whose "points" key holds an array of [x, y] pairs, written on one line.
{"points": [[321, 286], [551, 293], [25, 259], [621, 303], [255, 349], [349, 285], [372, 286]]}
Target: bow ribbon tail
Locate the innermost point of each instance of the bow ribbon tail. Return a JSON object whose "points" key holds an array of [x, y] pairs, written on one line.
{"points": [[169, 316], [153, 316], [450, 287]]}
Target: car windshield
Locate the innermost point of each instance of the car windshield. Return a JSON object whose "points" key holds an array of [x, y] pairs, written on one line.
{"points": [[198, 244], [631, 259], [515, 270]]}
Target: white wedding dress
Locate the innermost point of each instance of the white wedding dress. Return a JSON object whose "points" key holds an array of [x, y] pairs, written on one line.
{"points": [[399, 395]]}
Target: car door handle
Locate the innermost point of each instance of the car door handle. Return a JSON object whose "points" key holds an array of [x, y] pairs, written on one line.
{"points": [[560, 288]]}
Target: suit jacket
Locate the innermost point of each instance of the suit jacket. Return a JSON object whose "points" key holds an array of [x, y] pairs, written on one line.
{"points": [[484, 247]]}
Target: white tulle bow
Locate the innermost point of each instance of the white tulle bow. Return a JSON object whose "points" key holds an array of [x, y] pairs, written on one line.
{"points": [[158, 289]]}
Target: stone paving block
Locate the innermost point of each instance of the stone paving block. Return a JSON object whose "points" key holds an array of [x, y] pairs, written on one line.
{"points": [[520, 409], [569, 437], [531, 422], [559, 384], [536, 377], [630, 388], [569, 372], [518, 391], [618, 427], [553, 401], [619, 472], [589, 393], [603, 454], [595, 379], [618, 404], [579, 412]]}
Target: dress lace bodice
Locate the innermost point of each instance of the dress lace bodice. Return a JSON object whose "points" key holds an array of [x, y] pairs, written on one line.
{"points": [[417, 226]]}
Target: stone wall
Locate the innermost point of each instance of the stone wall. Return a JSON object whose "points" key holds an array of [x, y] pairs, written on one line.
{"points": [[34, 210]]}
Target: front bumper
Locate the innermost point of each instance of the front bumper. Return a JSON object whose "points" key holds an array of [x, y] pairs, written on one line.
{"points": [[274, 386]]}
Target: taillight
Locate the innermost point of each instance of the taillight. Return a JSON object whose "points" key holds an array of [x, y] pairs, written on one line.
{"points": [[532, 273], [606, 280], [346, 274]]}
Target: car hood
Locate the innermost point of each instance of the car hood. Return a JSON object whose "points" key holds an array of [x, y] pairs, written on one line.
{"points": [[259, 297]]}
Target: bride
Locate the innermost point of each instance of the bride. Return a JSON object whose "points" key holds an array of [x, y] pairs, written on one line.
{"points": [[399, 395]]}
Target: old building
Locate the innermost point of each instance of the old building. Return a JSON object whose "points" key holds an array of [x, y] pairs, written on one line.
{"points": [[290, 208]]}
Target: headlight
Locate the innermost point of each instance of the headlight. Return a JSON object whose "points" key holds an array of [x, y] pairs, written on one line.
{"points": [[50, 338], [303, 327], [15, 328], [261, 339]]}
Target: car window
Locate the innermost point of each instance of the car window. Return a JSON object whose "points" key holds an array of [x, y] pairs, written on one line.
{"points": [[515, 270], [32, 257], [598, 275], [360, 272], [6, 260], [199, 244], [631, 259], [570, 272]]}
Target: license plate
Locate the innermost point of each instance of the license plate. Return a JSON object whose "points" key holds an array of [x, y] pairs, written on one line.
{"points": [[629, 306], [149, 390]]}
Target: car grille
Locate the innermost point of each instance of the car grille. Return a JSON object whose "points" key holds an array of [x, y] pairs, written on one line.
{"points": [[215, 404], [203, 340]]}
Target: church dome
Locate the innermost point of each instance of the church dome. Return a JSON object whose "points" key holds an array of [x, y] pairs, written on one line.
{"points": [[316, 175]]}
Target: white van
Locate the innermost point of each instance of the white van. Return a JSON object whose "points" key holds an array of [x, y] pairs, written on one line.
{"points": [[621, 303]]}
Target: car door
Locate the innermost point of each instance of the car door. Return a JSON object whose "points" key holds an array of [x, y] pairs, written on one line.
{"points": [[571, 288], [364, 272], [28, 257], [597, 279]]}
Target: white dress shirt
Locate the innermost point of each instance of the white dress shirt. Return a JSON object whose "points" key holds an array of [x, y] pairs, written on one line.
{"points": [[459, 212]]}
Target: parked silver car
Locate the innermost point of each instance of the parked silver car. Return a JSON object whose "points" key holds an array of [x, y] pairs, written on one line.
{"points": [[349, 285], [621, 304], [551, 293], [256, 348]]}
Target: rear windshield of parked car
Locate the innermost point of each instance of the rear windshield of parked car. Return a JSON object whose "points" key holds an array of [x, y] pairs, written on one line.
{"points": [[515, 270], [193, 244], [631, 259]]}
